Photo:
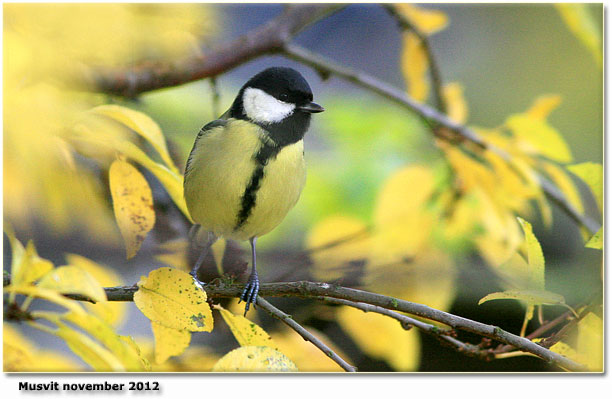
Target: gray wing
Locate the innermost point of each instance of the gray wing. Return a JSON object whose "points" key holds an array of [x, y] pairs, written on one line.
{"points": [[207, 128]]}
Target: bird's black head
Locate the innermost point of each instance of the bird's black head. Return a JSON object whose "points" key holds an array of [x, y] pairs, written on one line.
{"points": [[280, 101]]}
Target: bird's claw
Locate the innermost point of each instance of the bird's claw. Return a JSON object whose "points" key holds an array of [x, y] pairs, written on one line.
{"points": [[249, 294]]}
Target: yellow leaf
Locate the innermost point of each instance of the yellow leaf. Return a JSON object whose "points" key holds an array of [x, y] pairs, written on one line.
{"points": [[589, 348], [533, 183], [141, 124], [582, 24], [592, 174], [402, 223], [21, 355], [125, 353], [535, 257], [425, 20], [132, 203], [92, 353], [26, 265], [18, 353], [256, 359], [414, 67], [73, 280], [533, 297], [245, 331], [590, 341], [596, 241], [111, 312], [334, 243], [169, 341], [194, 358], [47, 294], [543, 106], [172, 182], [565, 350], [536, 136], [455, 102], [171, 297], [382, 338], [565, 184]]}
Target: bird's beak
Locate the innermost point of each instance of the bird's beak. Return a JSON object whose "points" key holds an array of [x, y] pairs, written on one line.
{"points": [[312, 108]]}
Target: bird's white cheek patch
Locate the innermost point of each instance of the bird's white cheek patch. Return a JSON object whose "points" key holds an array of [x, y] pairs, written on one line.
{"points": [[263, 108]]}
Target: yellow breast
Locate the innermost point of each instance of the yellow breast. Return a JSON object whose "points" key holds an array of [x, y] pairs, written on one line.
{"points": [[221, 168]]}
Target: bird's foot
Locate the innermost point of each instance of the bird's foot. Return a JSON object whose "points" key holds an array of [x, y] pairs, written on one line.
{"points": [[249, 294]]}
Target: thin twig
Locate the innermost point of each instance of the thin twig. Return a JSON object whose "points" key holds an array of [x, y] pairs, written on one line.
{"points": [[327, 67], [288, 320], [408, 322], [274, 37], [434, 70]]}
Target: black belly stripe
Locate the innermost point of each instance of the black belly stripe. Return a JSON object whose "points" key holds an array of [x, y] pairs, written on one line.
{"points": [[266, 152]]}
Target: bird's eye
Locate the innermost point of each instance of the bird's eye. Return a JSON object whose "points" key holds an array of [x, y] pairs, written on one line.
{"points": [[283, 96]]}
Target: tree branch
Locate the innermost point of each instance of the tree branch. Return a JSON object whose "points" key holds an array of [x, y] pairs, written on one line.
{"points": [[307, 289], [269, 38], [274, 37], [407, 323], [434, 71], [327, 67]]}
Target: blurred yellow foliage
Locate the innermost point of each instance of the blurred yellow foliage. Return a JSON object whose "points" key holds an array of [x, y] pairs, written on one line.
{"points": [[21, 355], [415, 66], [455, 102], [427, 21], [400, 261], [334, 243], [44, 46]]}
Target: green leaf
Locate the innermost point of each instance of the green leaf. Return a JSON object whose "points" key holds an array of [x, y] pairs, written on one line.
{"points": [[534, 297], [596, 241], [535, 257], [592, 174]]}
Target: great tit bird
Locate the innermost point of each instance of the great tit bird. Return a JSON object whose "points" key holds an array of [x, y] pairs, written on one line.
{"points": [[246, 169]]}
